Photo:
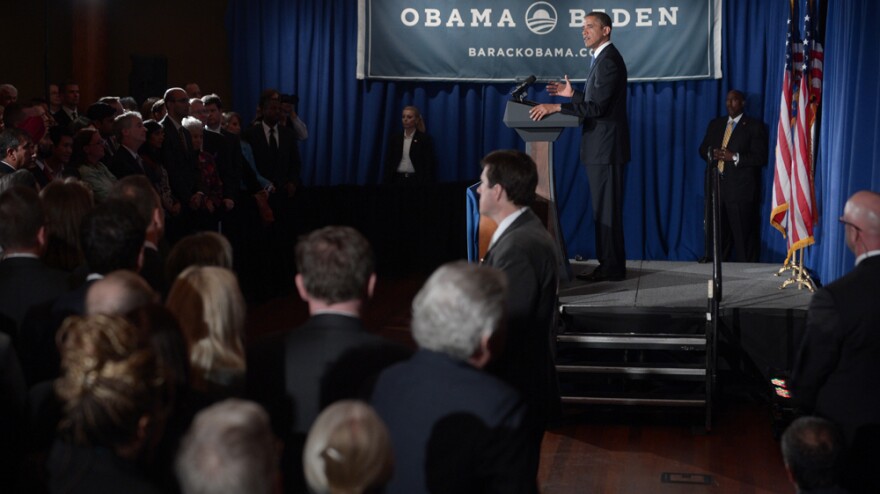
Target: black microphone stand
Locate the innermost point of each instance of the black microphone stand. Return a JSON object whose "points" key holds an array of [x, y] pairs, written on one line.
{"points": [[715, 292]]}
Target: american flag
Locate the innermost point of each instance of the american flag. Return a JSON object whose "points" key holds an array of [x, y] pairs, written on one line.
{"points": [[793, 208], [803, 211], [781, 177]]}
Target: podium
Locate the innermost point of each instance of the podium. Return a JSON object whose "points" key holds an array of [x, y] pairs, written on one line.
{"points": [[539, 137]]}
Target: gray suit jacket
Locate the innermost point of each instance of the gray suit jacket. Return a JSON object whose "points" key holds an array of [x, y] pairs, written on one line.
{"points": [[526, 254]]}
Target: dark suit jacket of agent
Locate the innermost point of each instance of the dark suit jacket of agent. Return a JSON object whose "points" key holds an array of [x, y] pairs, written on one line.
{"points": [[602, 106], [179, 162], [286, 168], [454, 428], [741, 182], [838, 365], [421, 153], [526, 254]]}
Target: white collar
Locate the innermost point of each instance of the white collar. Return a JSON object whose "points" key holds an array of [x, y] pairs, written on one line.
{"points": [[870, 253], [505, 223], [595, 53]]}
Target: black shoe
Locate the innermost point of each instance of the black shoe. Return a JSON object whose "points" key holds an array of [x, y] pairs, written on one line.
{"points": [[704, 260]]}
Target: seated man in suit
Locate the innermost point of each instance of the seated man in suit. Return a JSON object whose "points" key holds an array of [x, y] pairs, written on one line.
{"points": [[69, 103], [295, 374], [119, 293], [13, 151], [24, 280], [138, 191], [131, 134], [837, 365], [229, 448], [812, 450], [112, 238], [455, 428]]}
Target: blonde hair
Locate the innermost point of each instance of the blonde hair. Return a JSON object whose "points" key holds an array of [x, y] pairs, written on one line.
{"points": [[109, 380], [211, 311], [420, 121], [348, 450]]}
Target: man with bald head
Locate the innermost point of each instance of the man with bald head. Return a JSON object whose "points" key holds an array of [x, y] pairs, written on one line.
{"points": [[838, 366]]}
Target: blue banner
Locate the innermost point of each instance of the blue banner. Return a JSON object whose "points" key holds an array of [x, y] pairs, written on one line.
{"points": [[503, 41]]}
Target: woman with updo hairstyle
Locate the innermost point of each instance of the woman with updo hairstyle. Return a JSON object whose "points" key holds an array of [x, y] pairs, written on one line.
{"points": [[211, 312], [111, 391], [348, 450], [66, 203]]}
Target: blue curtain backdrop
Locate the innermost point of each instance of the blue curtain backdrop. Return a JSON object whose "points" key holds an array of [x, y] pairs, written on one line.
{"points": [[309, 47]]}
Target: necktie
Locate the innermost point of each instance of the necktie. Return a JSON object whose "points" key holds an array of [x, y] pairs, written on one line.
{"points": [[183, 142], [140, 163], [727, 132], [273, 143], [73, 115]]}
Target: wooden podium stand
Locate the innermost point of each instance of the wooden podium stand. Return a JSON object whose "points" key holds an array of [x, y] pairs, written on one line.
{"points": [[539, 137]]}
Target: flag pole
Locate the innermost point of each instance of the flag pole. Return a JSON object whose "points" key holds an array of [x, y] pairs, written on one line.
{"points": [[800, 276]]}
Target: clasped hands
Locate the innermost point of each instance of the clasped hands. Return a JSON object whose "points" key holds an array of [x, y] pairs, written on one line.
{"points": [[538, 112], [722, 154]]}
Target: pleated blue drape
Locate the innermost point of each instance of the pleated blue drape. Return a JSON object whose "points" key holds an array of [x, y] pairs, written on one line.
{"points": [[309, 47]]}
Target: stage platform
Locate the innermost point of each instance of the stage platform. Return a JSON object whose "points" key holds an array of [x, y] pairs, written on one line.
{"points": [[760, 325], [684, 285]]}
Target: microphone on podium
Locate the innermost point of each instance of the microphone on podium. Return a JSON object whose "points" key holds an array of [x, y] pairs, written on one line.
{"points": [[519, 91]]}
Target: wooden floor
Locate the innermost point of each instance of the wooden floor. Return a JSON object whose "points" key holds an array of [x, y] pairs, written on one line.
{"points": [[630, 454], [600, 452]]}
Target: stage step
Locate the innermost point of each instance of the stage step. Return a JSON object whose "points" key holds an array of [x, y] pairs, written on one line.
{"points": [[633, 357], [630, 370], [636, 341], [634, 401]]}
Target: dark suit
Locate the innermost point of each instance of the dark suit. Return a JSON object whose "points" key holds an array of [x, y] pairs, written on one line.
{"points": [[740, 183], [526, 254], [26, 282], [454, 428], [62, 118], [13, 407], [837, 368], [421, 153], [179, 162], [6, 168], [281, 168], [39, 354], [605, 148], [124, 164], [273, 245], [296, 374]]}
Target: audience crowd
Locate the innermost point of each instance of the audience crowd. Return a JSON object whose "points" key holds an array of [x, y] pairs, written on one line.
{"points": [[132, 243]]}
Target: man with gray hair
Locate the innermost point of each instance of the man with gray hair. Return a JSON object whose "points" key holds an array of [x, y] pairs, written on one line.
{"points": [[455, 428], [812, 449], [8, 94], [229, 449]]}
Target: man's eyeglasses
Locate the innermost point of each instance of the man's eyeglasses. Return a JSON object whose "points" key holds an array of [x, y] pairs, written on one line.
{"points": [[847, 223]]}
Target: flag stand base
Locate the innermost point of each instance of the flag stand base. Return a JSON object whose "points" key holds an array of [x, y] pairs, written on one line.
{"points": [[799, 274]]}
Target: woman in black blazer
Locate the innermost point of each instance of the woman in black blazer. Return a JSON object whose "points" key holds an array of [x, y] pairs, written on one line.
{"points": [[419, 164]]}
